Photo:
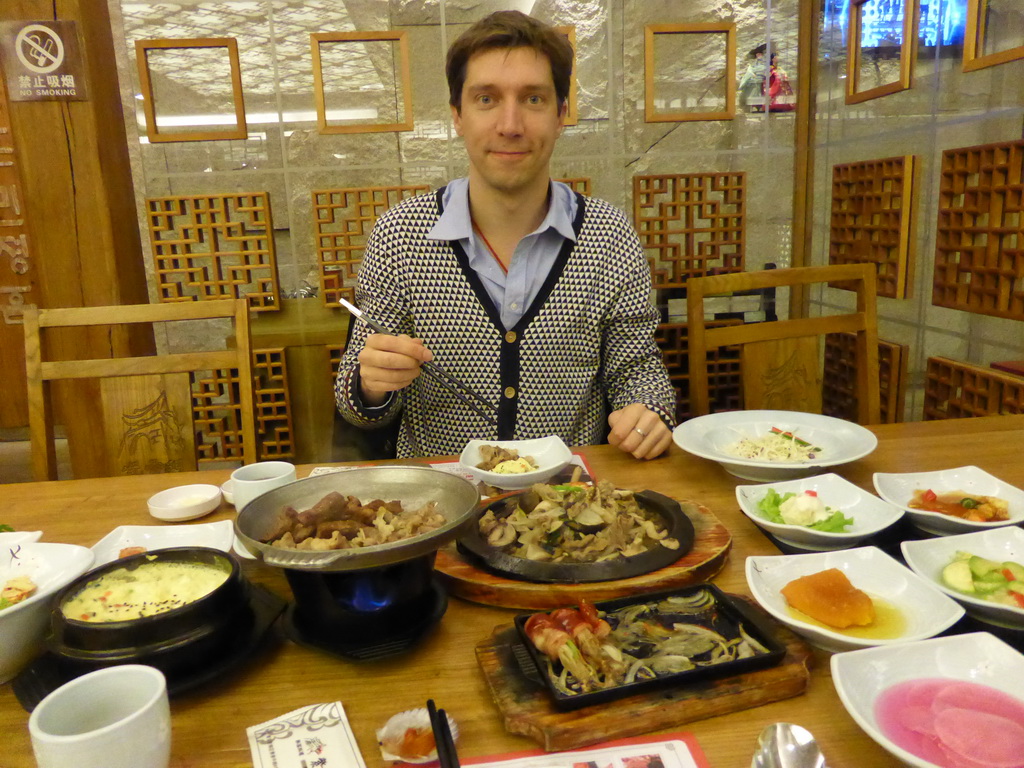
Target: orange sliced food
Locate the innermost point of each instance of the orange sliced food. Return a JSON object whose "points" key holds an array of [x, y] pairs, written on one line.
{"points": [[829, 597]]}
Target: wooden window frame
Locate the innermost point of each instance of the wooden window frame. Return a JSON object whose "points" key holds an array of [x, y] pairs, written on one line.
{"points": [[142, 48], [651, 115], [908, 51], [361, 37], [974, 37]]}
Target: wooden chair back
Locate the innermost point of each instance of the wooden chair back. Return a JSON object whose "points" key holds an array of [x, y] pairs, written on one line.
{"points": [[146, 402], [781, 360]]}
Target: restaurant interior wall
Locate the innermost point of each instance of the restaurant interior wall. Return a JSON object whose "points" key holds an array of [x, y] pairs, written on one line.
{"points": [[286, 156], [946, 108]]}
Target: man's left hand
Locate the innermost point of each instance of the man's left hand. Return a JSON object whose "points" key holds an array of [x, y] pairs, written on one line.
{"points": [[638, 430]]}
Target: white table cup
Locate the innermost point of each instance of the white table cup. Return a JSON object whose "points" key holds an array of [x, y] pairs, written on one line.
{"points": [[117, 717], [256, 479]]}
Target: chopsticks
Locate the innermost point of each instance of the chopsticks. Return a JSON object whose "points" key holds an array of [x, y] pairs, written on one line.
{"points": [[446, 756], [462, 391]]}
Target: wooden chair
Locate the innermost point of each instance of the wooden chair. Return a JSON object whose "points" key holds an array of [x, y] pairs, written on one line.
{"points": [[781, 360], [146, 403]]}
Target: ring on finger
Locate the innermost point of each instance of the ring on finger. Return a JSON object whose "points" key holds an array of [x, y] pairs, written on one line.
{"points": [[641, 432]]}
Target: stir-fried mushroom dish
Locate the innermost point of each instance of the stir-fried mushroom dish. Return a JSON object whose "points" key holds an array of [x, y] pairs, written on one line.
{"points": [[574, 524], [506, 461], [342, 522], [588, 650]]}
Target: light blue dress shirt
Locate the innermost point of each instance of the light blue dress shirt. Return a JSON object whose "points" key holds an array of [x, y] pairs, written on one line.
{"points": [[512, 293]]}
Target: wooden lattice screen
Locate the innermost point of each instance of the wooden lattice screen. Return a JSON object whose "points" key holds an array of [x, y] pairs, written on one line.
{"points": [[956, 390], [839, 395], [273, 404], [216, 411], [214, 247], [580, 184], [872, 213], [343, 219], [690, 224], [979, 259], [724, 382]]}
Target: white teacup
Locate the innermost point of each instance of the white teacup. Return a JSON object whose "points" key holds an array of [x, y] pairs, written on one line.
{"points": [[116, 717], [256, 479]]}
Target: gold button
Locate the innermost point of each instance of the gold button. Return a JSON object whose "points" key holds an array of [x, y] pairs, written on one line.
{"points": [[510, 337], [510, 392]]}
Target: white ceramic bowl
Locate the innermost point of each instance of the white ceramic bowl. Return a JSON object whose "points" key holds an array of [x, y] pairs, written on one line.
{"points": [[550, 455], [709, 437], [51, 567], [899, 489], [219, 535], [227, 490], [926, 610], [861, 676], [928, 557], [13, 538], [869, 513], [185, 502]]}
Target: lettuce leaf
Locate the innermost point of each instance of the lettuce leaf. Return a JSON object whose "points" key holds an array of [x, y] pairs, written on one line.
{"points": [[769, 507]]}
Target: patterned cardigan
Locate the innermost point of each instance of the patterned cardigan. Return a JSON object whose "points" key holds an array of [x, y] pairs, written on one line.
{"points": [[585, 345]]}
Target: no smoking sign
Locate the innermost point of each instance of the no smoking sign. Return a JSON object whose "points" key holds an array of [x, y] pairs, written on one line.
{"points": [[42, 61]]}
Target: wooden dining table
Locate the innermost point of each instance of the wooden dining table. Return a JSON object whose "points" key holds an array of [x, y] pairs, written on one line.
{"points": [[209, 723]]}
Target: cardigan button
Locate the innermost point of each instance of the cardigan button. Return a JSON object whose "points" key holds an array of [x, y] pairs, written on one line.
{"points": [[510, 337], [510, 392]]}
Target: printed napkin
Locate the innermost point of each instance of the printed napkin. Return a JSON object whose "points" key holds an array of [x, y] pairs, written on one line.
{"points": [[317, 736]]}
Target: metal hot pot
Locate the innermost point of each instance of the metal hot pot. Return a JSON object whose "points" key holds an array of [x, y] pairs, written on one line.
{"points": [[363, 602]]}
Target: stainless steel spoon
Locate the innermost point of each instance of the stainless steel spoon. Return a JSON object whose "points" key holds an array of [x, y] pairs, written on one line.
{"points": [[785, 745]]}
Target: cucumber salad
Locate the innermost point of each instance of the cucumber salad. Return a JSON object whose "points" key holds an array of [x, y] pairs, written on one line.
{"points": [[997, 582]]}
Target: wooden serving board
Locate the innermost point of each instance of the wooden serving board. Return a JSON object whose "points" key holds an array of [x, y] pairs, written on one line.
{"points": [[711, 544], [528, 710]]}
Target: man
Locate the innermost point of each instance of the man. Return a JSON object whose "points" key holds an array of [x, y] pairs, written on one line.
{"points": [[536, 297]]}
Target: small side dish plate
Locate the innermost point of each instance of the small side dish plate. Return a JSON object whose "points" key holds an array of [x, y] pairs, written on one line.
{"points": [[927, 558], [869, 513], [185, 502], [675, 520], [710, 437], [898, 489], [219, 535], [703, 607], [550, 454]]}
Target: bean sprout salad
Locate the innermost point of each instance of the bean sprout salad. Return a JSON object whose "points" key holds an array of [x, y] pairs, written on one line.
{"points": [[777, 445]]}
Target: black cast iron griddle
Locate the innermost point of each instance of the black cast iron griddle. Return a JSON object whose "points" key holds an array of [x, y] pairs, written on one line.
{"points": [[679, 527]]}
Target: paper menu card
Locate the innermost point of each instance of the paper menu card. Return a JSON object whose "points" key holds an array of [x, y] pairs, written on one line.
{"points": [[678, 750], [317, 736]]}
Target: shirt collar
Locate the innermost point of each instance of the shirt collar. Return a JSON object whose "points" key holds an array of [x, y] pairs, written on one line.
{"points": [[455, 222]]}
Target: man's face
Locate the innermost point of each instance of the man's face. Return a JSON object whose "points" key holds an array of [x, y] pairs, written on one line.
{"points": [[509, 119]]}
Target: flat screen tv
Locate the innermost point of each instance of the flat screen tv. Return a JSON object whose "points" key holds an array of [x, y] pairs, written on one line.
{"points": [[941, 23]]}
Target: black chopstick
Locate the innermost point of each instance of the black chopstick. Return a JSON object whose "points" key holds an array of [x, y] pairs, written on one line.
{"points": [[446, 755], [465, 393]]}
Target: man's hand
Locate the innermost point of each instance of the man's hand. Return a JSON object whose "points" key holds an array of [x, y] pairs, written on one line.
{"points": [[638, 430], [389, 363]]}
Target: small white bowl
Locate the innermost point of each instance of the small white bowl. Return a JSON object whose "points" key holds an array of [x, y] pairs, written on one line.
{"points": [[219, 535], [227, 490], [869, 513], [51, 567], [185, 502], [927, 611], [899, 489], [550, 454], [928, 557], [978, 657], [13, 538]]}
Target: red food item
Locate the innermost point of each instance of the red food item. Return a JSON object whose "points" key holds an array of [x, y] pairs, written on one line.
{"points": [[416, 743], [929, 495], [545, 634], [829, 597]]}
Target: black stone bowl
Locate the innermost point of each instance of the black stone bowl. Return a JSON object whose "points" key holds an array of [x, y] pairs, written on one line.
{"points": [[176, 642]]}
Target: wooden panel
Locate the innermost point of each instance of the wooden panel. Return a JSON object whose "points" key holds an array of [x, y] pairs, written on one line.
{"points": [[839, 390], [872, 206], [691, 224], [956, 390], [147, 424], [782, 375], [214, 247], [343, 220], [979, 259], [273, 404]]}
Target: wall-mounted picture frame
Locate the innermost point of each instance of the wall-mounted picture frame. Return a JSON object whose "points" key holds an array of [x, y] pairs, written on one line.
{"points": [[151, 108], [879, 52], [982, 46], [725, 81], [403, 87]]}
